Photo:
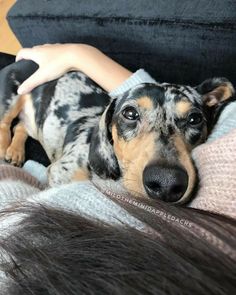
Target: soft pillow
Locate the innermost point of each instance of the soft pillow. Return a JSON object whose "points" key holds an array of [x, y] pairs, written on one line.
{"points": [[216, 164]]}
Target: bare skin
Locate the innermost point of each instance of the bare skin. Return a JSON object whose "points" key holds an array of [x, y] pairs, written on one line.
{"points": [[54, 60]]}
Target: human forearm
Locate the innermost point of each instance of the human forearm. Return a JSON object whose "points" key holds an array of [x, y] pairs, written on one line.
{"points": [[57, 59], [100, 68]]}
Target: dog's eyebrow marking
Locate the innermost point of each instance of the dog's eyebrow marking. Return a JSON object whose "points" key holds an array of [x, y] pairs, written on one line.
{"points": [[145, 102], [182, 107]]}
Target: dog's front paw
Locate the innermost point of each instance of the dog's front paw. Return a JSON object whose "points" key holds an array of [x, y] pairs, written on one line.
{"points": [[2, 153], [15, 155]]}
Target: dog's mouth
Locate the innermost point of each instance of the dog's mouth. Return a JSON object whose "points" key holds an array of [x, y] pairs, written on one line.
{"points": [[166, 182]]}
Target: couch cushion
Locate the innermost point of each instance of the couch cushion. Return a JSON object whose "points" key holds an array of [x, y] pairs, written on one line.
{"points": [[6, 59], [176, 41]]}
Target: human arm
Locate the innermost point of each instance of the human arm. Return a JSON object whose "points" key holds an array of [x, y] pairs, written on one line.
{"points": [[56, 59]]}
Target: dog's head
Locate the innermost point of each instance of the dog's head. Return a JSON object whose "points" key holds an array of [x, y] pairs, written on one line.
{"points": [[145, 137]]}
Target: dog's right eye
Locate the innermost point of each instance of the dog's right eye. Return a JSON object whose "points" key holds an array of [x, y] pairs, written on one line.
{"points": [[130, 113], [195, 119]]}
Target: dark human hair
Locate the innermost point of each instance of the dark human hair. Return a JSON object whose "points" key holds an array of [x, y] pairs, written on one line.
{"points": [[61, 253]]}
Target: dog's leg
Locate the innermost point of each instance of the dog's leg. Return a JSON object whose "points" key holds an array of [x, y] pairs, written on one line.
{"points": [[81, 174], [5, 125], [64, 171], [15, 153], [5, 138], [58, 173]]}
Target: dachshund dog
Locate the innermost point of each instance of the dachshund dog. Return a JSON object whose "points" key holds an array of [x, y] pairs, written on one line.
{"points": [[142, 139]]}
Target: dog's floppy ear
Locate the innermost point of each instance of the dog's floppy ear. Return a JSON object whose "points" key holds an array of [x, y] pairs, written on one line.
{"points": [[216, 94], [215, 91], [102, 159]]}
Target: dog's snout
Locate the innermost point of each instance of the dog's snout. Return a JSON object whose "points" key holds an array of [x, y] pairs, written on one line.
{"points": [[168, 183]]}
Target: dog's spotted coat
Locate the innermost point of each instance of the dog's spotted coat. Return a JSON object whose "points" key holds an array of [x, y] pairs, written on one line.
{"points": [[142, 139]]}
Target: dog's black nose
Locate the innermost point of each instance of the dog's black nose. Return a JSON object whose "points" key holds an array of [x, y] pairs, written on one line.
{"points": [[168, 183]]}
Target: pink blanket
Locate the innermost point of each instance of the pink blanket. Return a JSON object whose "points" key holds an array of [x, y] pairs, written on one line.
{"points": [[216, 164]]}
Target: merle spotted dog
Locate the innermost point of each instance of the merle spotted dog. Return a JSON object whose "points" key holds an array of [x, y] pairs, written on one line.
{"points": [[141, 140]]}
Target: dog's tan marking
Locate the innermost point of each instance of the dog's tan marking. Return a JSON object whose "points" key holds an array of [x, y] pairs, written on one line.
{"points": [[5, 125], [183, 107], [133, 156], [145, 102], [185, 160], [16, 151], [224, 92], [80, 175], [221, 93], [5, 139]]}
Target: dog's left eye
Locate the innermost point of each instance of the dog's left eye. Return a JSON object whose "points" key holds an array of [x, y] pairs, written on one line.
{"points": [[130, 113], [195, 119]]}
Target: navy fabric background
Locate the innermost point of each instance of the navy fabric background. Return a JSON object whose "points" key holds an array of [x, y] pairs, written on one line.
{"points": [[6, 59], [176, 41]]}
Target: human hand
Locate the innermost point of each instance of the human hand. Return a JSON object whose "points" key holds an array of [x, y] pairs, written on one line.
{"points": [[54, 60]]}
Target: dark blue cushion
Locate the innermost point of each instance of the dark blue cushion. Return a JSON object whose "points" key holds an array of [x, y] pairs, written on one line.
{"points": [[6, 59], [176, 41]]}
